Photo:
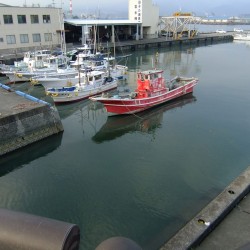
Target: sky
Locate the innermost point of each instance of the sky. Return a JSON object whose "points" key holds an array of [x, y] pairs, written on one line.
{"points": [[119, 8]]}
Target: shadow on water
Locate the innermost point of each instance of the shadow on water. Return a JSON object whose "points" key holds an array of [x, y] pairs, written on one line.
{"points": [[25, 155], [146, 121]]}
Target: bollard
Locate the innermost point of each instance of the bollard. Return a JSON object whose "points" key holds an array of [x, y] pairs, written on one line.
{"points": [[24, 231], [118, 243]]}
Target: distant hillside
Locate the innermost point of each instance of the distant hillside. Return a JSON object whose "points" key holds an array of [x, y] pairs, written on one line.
{"points": [[232, 9]]}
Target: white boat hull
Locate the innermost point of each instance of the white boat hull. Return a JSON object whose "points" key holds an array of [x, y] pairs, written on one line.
{"points": [[85, 92], [242, 37]]}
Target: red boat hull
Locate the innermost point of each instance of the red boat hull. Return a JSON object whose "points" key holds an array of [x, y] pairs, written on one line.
{"points": [[130, 106]]}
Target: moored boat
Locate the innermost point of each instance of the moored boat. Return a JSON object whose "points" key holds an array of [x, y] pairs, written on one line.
{"points": [[93, 83], [147, 122], [152, 90], [242, 36], [49, 65]]}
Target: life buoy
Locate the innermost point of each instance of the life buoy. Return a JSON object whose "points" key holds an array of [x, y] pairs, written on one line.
{"points": [[54, 94]]}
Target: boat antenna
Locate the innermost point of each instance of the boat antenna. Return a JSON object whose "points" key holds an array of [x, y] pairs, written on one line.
{"points": [[79, 72], [86, 75], [108, 61]]}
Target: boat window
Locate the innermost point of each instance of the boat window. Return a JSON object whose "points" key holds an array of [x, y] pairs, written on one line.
{"points": [[97, 77], [90, 78]]}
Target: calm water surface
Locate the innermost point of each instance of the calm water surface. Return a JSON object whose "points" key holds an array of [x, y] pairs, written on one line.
{"points": [[140, 177]]}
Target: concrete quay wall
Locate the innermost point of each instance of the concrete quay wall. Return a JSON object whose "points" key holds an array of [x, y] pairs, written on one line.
{"points": [[8, 57], [200, 227], [164, 42], [24, 121]]}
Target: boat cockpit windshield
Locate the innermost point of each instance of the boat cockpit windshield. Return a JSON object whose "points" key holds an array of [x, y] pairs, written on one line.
{"points": [[140, 76]]}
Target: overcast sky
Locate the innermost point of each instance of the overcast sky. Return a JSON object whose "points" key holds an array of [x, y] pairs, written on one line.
{"points": [[119, 8]]}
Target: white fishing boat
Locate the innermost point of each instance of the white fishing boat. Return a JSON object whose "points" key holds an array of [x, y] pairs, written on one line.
{"points": [[94, 82], [16, 75], [119, 71], [244, 36], [48, 65], [30, 60], [61, 78]]}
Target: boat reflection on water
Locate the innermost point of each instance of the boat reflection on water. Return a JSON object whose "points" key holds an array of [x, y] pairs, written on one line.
{"points": [[247, 43], [84, 107], [146, 121], [23, 156]]}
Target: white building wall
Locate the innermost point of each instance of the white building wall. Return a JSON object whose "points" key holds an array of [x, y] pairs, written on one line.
{"points": [[135, 10], [26, 30], [147, 15]]}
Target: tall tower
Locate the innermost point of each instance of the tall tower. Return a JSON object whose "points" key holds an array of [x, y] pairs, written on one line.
{"points": [[146, 15], [135, 10], [70, 8]]}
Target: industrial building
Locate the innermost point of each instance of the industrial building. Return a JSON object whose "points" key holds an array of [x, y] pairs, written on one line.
{"points": [[26, 27], [29, 27]]}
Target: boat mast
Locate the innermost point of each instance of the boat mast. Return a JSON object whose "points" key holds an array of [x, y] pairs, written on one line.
{"points": [[62, 33], [108, 60]]}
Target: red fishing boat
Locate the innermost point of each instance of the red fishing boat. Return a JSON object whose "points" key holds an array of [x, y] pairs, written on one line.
{"points": [[152, 90]]}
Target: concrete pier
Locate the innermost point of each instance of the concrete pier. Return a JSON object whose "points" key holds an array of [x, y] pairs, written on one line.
{"points": [[143, 44], [163, 42], [24, 119], [201, 232]]}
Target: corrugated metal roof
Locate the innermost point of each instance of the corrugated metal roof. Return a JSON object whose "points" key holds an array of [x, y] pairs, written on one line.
{"points": [[81, 22]]}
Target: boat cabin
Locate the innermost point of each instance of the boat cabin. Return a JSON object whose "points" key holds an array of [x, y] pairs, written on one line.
{"points": [[93, 76], [149, 82], [56, 61]]}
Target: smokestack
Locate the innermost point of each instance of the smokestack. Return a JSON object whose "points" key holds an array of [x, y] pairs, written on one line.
{"points": [[70, 8]]}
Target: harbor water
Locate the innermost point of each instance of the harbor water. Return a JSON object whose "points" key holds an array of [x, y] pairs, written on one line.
{"points": [[205, 28], [142, 176]]}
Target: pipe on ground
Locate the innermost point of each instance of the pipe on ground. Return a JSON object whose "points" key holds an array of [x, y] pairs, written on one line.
{"points": [[24, 231]]}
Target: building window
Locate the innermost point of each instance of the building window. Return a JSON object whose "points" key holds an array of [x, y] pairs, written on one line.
{"points": [[135, 6], [11, 39], [48, 37], [139, 2], [36, 38], [24, 38], [7, 19], [34, 19], [21, 18], [135, 12], [139, 14], [135, 18], [46, 18], [1, 39]]}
